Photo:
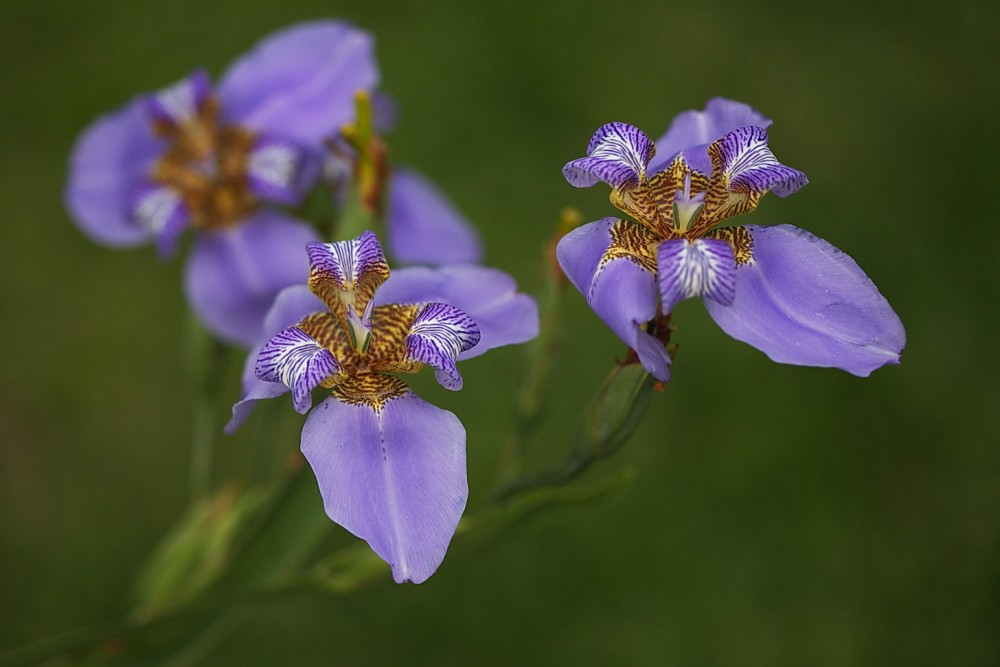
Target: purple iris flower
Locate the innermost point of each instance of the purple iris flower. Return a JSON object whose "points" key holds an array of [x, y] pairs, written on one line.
{"points": [[390, 467], [788, 293], [219, 159]]}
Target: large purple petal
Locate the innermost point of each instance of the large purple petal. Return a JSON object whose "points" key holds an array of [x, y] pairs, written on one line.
{"points": [[233, 274], [291, 306], [423, 227], [108, 167], [489, 296], [300, 82], [803, 301], [620, 291], [692, 131], [395, 477], [617, 154]]}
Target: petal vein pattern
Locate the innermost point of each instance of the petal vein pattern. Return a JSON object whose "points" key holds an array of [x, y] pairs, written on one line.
{"points": [[439, 334], [297, 361]]}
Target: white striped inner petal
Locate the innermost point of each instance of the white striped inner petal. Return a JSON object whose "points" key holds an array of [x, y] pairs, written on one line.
{"points": [[296, 360], [439, 334], [704, 267]]}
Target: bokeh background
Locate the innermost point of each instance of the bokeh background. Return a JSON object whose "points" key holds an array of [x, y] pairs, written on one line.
{"points": [[777, 515]]}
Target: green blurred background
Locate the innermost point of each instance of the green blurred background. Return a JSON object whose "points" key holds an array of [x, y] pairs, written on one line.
{"points": [[778, 515]]}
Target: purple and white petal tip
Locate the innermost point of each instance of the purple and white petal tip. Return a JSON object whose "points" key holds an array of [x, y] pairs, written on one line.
{"points": [[440, 333], [180, 102], [346, 263], [617, 154], [297, 361], [750, 165], [704, 267]]}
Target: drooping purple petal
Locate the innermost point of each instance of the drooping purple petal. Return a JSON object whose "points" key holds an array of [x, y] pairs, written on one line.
{"points": [[395, 477], [692, 131], [180, 102], [489, 296], [621, 292], [109, 165], [233, 274], [751, 166], [704, 267], [281, 171], [161, 210], [296, 360], [291, 306], [803, 301], [617, 154], [423, 227], [347, 272], [439, 334], [300, 82]]}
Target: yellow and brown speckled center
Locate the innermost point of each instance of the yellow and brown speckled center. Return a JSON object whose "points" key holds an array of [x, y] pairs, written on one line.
{"points": [[206, 162], [361, 374], [651, 202], [371, 389]]}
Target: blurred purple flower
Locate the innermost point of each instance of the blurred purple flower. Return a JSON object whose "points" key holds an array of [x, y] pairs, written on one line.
{"points": [[218, 160], [390, 467], [788, 293]]}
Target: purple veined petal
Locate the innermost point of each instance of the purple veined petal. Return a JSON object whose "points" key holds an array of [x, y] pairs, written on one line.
{"points": [[438, 335], [233, 274], [750, 165], [280, 170], [394, 477], [617, 154], [704, 267], [692, 131], [347, 272], [109, 165], [621, 292], [489, 296], [179, 103], [161, 210], [423, 227], [802, 301], [297, 361], [300, 82], [292, 305]]}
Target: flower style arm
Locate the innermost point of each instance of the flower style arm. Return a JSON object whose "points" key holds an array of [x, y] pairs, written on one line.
{"points": [[347, 273], [617, 154], [438, 335], [296, 360]]}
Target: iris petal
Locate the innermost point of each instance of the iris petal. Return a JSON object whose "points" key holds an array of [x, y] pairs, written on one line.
{"points": [[617, 154], [438, 335], [297, 361], [108, 167], [423, 227], [233, 274], [802, 301], [395, 477], [489, 296], [300, 82], [620, 291]]}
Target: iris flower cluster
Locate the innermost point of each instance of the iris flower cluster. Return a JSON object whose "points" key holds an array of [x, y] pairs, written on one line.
{"points": [[233, 161]]}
